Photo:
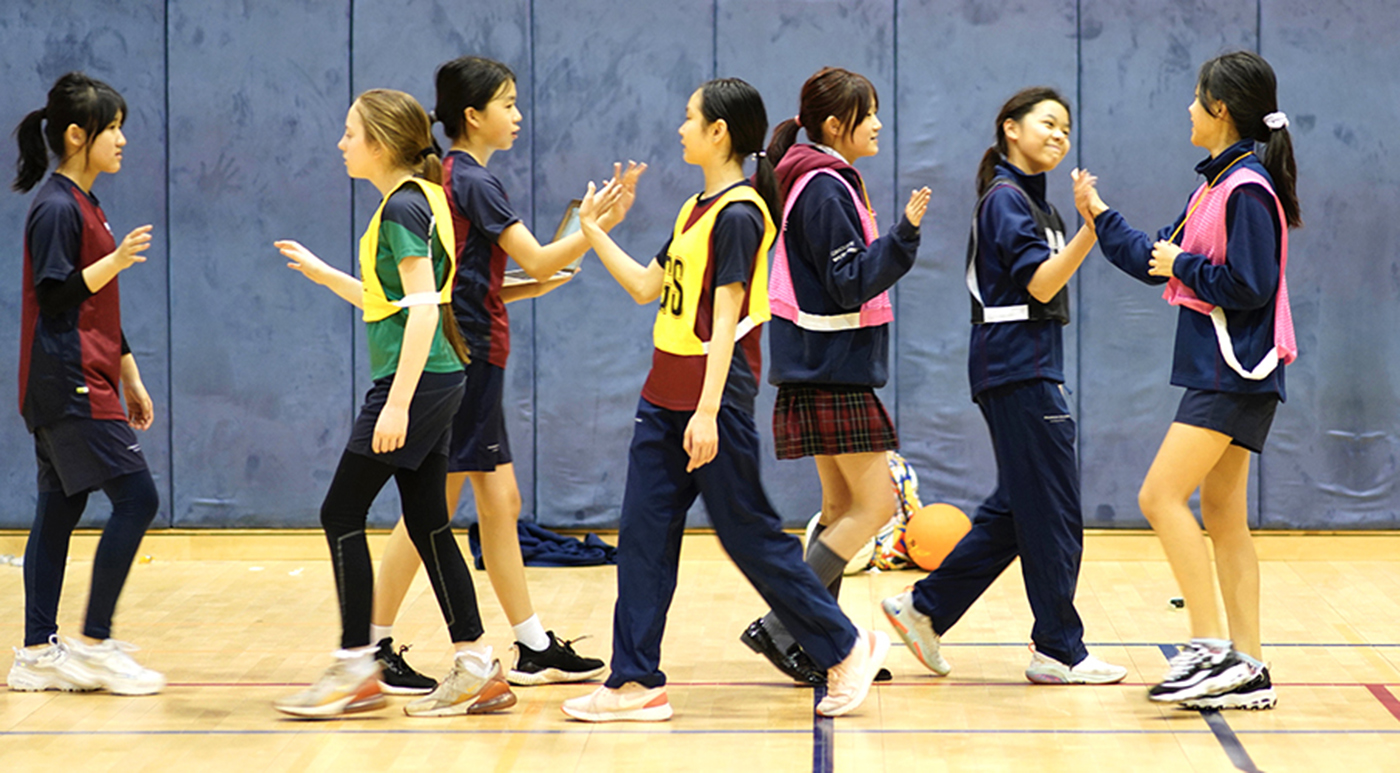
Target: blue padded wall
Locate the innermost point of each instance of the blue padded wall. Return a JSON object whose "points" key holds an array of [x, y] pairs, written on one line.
{"points": [[236, 109]]}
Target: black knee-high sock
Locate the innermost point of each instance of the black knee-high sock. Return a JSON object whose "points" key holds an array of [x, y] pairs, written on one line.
{"points": [[828, 566]]}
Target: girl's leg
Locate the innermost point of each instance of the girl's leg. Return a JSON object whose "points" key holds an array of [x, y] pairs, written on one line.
{"points": [[397, 568], [836, 493], [45, 559], [657, 495], [862, 481], [498, 510], [358, 480], [1224, 510], [422, 493], [1186, 456], [134, 504]]}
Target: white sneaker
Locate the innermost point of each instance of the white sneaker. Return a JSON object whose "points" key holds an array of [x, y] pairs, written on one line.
{"points": [[1047, 670], [48, 668], [108, 665], [916, 629], [631, 702], [350, 685], [848, 682], [475, 685]]}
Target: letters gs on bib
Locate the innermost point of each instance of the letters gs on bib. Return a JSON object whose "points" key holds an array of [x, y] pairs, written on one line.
{"points": [[672, 297]]}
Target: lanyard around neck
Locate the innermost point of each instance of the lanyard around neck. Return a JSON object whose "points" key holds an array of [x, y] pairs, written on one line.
{"points": [[1202, 197]]}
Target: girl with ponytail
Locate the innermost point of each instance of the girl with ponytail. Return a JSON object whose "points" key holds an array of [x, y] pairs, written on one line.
{"points": [[694, 433], [1223, 262], [407, 265], [75, 368], [829, 338], [476, 103], [1018, 264]]}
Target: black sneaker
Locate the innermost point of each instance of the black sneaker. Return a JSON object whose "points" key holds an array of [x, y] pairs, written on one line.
{"points": [[1198, 671], [1257, 693], [396, 676], [557, 664]]}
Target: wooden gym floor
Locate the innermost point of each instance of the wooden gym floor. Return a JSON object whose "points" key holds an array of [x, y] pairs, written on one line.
{"points": [[237, 619]]}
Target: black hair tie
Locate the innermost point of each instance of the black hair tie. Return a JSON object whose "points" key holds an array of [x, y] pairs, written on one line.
{"points": [[432, 117], [425, 152]]}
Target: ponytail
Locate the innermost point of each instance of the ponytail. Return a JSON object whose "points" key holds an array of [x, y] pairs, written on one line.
{"points": [[1245, 82], [430, 165], [784, 137], [453, 333], [33, 156], [766, 183], [1015, 109]]}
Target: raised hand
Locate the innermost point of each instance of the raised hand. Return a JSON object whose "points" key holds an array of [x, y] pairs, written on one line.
{"points": [[628, 180], [304, 261], [133, 244], [917, 206], [1086, 195]]}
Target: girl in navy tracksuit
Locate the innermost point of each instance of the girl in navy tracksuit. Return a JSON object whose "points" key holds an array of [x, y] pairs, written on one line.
{"points": [[829, 337], [1017, 267], [75, 368], [695, 434], [1223, 262]]}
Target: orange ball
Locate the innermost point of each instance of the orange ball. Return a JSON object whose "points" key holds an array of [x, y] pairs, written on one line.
{"points": [[933, 532]]}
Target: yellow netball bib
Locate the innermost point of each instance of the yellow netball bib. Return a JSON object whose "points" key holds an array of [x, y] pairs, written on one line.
{"points": [[377, 305], [686, 264]]}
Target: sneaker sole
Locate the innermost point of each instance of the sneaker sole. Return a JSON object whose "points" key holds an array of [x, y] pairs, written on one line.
{"points": [[552, 676], [494, 698], [1233, 701], [1208, 687], [393, 689], [1043, 677], [882, 649], [653, 714], [20, 683], [913, 644], [335, 709]]}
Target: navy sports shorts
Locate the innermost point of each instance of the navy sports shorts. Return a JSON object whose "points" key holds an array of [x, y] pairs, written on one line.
{"points": [[1246, 418], [479, 442], [429, 419], [77, 454]]}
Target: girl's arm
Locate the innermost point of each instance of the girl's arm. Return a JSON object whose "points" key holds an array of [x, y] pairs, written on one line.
{"points": [[702, 432], [643, 283], [139, 410], [1249, 278], [97, 275], [1125, 247], [318, 271], [1055, 273], [542, 261], [391, 429], [533, 290], [852, 271]]}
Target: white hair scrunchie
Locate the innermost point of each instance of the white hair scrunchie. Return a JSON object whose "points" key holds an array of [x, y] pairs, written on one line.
{"points": [[1276, 121]]}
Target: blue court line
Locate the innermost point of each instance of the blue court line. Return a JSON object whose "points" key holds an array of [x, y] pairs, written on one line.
{"points": [[1227, 738], [665, 731], [1147, 644], [823, 742]]}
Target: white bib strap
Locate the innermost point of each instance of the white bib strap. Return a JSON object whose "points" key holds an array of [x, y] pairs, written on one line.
{"points": [[1227, 351], [745, 326], [418, 299]]}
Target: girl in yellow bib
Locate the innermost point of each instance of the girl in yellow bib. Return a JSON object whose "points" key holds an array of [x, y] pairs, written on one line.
{"points": [[695, 433], [402, 432]]}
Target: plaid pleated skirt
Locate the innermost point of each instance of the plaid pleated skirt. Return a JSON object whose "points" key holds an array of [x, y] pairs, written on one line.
{"points": [[812, 421]]}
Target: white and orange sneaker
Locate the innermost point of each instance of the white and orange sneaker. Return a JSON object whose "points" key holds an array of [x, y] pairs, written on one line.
{"points": [[475, 685], [630, 702], [848, 682], [349, 686]]}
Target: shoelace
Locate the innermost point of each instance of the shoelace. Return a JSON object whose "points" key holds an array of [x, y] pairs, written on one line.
{"points": [[1184, 661], [395, 659], [568, 644]]}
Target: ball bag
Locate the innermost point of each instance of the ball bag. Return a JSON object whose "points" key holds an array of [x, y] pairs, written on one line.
{"points": [[933, 532]]}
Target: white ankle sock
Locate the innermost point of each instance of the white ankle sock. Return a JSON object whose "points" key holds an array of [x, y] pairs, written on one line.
{"points": [[378, 633], [1215, 645], [531, 634]]}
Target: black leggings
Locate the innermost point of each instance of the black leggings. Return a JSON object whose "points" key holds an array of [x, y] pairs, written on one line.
{"points": [[134, 503], [422, 493]]}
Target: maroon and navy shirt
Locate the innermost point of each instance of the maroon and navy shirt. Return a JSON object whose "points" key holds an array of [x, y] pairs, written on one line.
{"points": [[480, 212], [69, 362], [675, 381]]}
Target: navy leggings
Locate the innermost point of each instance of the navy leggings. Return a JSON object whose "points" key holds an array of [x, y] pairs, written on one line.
{"points": [[423, 495], [134, 504]]}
